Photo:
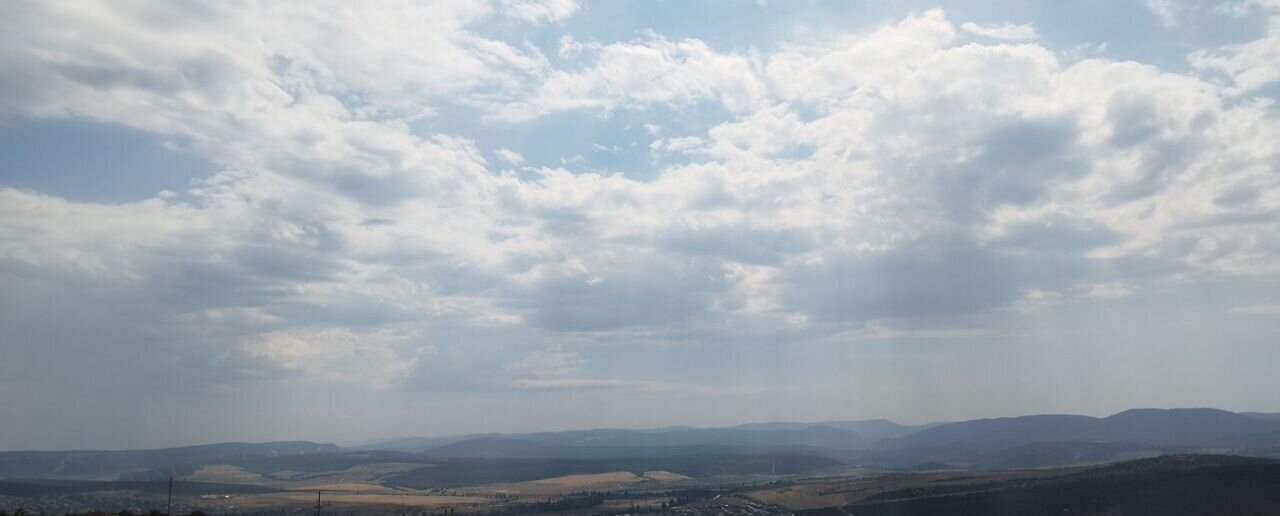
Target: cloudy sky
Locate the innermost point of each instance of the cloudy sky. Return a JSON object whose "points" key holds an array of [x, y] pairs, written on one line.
{"points": [[255, 221]]}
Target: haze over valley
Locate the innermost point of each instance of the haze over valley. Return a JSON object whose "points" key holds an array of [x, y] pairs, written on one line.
{"points": [[594, 470]]}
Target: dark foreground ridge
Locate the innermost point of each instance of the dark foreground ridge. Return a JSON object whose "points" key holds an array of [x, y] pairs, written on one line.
{"points": [[1171, 486]]}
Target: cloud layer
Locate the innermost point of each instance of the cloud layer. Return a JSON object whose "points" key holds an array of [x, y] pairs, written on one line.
{"points": [[920, 178]]}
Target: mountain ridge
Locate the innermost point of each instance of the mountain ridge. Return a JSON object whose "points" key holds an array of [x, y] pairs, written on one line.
{"points": [[1008, 442], [1191, 426]]}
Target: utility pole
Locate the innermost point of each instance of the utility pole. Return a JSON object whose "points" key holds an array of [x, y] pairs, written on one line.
{"points": [[317, 502], [168, 505]]}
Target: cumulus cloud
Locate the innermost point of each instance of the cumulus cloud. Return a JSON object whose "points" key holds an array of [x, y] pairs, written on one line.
{"points": [[824, 71], [1250, 65], [540, 10], [949, 172], [634, 75], [550, 363], [396, 58], [339, 354], [509, 156], [679, 144], [1008, 31]]}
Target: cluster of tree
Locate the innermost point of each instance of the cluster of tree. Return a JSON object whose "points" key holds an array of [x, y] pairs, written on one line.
{"points": [[496, 496]]}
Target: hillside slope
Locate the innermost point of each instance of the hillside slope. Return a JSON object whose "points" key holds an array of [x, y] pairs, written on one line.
{"points": [[140, 464]]}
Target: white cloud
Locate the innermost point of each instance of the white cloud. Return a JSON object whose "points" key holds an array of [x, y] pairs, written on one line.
{"points": [[1008, 31], [1245, 7], [903, 148], [634, 75], [568, 47], [536, 11], [822, 73], [1250, 65], [550, 363], [340, 354], [1164, 10], [509, 156], [680, 144], [396, 58]]}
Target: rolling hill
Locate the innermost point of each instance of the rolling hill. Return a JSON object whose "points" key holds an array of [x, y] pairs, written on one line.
{"points": [[871, 428], [141, 464], [1161, 427], [814, 435], [508, 448]]}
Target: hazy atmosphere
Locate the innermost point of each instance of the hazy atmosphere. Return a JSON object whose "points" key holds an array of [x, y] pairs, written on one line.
{"points": [[225, 221]]}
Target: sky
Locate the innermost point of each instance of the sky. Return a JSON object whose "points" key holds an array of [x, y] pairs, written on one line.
{"points": [[341, 221]]}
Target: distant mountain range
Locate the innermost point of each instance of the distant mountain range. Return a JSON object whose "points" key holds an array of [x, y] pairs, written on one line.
{"points": [[1187, 427], [872, 428], [1001, 443], [1026, 441], [821, 439], [843, 435]]}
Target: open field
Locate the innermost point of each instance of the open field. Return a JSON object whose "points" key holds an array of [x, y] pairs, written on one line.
{"points": [[570, 483], [665, 476], [227, 473], [610, 481], [361, 477], [453, 473]]}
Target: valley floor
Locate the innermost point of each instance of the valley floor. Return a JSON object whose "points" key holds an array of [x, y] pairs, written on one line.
{"points": [[1171, 485]]}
